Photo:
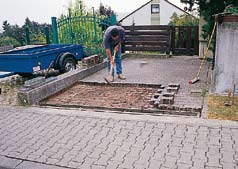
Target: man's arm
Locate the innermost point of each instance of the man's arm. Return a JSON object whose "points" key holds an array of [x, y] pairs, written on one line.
{"points": [[122, 39], [109, 55]]}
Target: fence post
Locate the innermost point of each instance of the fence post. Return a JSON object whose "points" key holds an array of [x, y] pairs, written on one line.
{"points": [[81, 8], [113, 19], [173, 39], [70, 27], [47, 35], [196, 40], [27, 36], [95, 30], [188, 40], [54, 30]]}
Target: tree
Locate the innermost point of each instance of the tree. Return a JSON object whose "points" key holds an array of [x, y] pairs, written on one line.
{"points": [[183, 20], [36, 31], [207, 9], [104, 10], [14, 31]]}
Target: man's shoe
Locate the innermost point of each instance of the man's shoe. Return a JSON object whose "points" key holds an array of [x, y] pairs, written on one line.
{"points": [[122, 77], [109, 79]]}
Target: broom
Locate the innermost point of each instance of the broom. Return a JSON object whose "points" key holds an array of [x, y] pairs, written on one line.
{"points": [[196, 79]]}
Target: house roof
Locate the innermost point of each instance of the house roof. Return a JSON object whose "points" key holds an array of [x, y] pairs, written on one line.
{"points": [[148, 3], [179, 8]]}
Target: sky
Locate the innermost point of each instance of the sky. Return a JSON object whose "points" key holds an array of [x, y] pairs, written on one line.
{"points": [[15, 11]]}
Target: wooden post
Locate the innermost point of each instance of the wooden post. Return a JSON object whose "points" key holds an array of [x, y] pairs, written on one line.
{"points": [[188, 40], [196, 40], [173, 33], [180, 34]]}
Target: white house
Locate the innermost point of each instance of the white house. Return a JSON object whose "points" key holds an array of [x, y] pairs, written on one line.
{"points": [[154, 12]]}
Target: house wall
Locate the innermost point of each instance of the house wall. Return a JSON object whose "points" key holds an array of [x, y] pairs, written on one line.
{"points": [[166, 11], [155, 17], [144, 17], [140, 17]]}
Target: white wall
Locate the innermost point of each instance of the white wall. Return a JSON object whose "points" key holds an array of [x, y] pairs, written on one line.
{"points": [[141, 17], [226, 69], [166, 11]]}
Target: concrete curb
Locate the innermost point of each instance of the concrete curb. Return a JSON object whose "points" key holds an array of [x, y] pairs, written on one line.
{"points": [[9, 163], [12, 163], [135, 110], [27, 96]]}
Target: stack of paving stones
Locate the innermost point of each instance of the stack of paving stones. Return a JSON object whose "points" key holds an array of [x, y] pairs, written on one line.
{"points": [[164, 99], [92, 60]]}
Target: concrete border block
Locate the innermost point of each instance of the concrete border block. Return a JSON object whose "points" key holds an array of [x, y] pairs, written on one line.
{"points": [[9, 163], [28, 96]]}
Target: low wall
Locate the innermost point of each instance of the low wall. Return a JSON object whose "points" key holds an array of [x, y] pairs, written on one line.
{"points": [[34, 95]]}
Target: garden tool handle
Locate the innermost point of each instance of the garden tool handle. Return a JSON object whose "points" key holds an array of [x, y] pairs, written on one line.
{"points": [[113, 59]]}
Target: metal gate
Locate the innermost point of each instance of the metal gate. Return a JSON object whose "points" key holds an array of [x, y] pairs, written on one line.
{"points": [[85, 30], [179, 40]]}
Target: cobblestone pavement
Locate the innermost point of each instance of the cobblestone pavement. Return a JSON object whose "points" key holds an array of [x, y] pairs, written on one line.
{"points": [[32, 138]]}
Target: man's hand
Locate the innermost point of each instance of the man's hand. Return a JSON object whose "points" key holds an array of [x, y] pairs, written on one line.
{"points": [[112, 62], [116, 48], [109, 55]]}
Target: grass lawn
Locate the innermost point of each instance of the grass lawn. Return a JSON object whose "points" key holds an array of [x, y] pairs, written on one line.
{"points": [[217, 109]]}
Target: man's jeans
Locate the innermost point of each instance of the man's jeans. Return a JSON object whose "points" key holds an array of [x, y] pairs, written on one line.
{"points": [[117, 61]]}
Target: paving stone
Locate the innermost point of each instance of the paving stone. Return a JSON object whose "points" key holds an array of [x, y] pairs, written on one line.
{"points": [[166, 94], [163, 106], [113, 165], [183, 166], [119, 156], [185, 158], [128, 162], [160, 91], [166, 100], [213, 161], [173, 89], [170, 163], [156, 95], [229, 165], [153, 164], [174, 85], [198, 164], [228, 157], [88, 162], [98, 167]]}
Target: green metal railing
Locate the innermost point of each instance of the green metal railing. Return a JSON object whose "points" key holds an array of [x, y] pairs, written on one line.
{"points": [[85, 30]]}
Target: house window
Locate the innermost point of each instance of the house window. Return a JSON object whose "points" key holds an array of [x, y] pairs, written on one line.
{"points": [[155, 8]]}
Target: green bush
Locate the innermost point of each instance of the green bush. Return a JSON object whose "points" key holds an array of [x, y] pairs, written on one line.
{"points": [[5, 41]]}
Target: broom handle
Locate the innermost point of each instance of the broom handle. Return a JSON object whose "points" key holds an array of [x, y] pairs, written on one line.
{"points": [[206, 52], [113, 58]]}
